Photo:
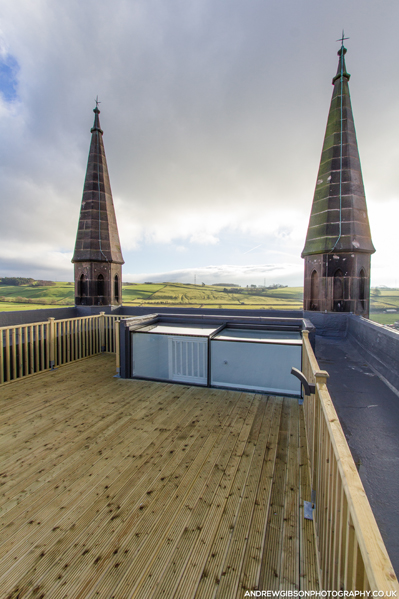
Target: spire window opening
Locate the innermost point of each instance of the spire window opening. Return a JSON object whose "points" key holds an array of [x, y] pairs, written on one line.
{"points": [[116, 288], [338, 291], [82, 289], [100, 286], [314, 291], [362, 289]]}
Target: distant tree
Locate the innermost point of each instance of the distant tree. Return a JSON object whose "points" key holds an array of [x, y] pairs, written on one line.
{"points": [[16, 281], [42, 283]]}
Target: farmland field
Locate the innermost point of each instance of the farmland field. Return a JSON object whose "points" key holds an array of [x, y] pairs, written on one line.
{"points": [[34, 296]]}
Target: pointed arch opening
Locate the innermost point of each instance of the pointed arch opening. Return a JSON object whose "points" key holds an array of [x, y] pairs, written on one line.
{"points": [[116, 288], [338, 291], [362, 289], [82, 287], [314, 291], [100, 286]]}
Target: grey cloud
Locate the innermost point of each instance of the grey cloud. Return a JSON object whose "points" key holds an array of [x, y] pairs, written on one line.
{"points": [[208, 107]]}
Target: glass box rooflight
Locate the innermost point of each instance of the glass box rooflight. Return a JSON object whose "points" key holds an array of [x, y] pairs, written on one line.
{"points": [[254, 354]]}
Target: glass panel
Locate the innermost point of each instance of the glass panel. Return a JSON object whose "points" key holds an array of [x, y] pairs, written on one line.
{"points": [[170, 358], [202, 330], [260, 336], [256, 366]]}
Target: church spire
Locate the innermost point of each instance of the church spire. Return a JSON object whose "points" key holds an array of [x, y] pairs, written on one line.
{"points": [[339, 220], [97, 247], [338, 241]]}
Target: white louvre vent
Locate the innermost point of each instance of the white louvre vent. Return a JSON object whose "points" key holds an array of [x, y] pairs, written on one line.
{"points": [[188, 359]]}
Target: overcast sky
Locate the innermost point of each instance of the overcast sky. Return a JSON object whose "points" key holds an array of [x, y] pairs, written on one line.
{"points": [[213, 113]]}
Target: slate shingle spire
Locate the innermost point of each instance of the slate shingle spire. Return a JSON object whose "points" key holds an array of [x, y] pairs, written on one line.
{"points": [[98, 257], [339, 231]]}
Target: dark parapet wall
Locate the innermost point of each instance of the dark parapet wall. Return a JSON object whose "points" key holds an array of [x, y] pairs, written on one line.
{"points": [[379, 346]]}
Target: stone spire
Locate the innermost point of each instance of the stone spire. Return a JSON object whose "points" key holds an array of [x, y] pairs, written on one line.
{"points": [[98, 256], [339, 221], [97, 238], [338, 242]]}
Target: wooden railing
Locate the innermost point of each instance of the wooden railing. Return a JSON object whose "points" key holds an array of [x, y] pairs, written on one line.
{"points": [[30, 348], [351, 552]]}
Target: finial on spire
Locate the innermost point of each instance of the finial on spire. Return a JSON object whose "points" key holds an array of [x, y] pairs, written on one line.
{"points": [[341, 71], [96, 126], [341, 39]]}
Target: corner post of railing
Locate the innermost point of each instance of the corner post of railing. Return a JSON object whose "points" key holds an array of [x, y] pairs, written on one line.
{"points": [[321, 377], [117, 349], [51, 341], [102, 331]]}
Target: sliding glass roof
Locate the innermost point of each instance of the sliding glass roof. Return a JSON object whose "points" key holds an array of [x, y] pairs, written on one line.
{"points": [[259, 336], [197, 330]]}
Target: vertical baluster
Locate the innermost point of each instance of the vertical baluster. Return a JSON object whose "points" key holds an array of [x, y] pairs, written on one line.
{"points": [[84, 338], [14, 353], [2, 364], [20, 355], [75, 337], [51, 342], [68, 341], [42, 347], [32, 350], [117, 348], [8, 356], [26, 350], [64, 341], [58, 336], [37, 348], [91, 335]]}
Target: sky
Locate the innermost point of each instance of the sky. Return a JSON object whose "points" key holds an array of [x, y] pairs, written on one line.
{"points": [[214, 113]]}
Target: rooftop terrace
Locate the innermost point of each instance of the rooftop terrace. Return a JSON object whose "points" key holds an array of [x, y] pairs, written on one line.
{"points": [[128, 488]]}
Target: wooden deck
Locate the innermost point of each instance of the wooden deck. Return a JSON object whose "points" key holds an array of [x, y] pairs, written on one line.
{"points": [[122, 488]]}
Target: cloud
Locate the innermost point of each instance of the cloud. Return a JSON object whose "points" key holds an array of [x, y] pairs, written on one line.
{"points": [[228, 273], [213, 116]]}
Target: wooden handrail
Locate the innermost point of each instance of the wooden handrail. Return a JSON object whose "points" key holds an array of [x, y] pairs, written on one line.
{"points": [[26, 349], [352, 554]]}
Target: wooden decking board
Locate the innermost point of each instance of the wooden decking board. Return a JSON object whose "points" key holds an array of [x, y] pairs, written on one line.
{"points": [[93, 526], [289, 579], [250, 574], [240, 533], [172, 559], [187, 494], [197, 536], [271, 559], [102, 430], [309, 579], [76, 507], [149, 489]]}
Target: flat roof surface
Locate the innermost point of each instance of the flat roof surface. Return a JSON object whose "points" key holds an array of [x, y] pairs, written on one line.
{"points": [[369, 414], [124, 488]]}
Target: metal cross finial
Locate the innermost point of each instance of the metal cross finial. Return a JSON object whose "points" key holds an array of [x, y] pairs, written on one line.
{"points": [[343, 38], [97, 102]]}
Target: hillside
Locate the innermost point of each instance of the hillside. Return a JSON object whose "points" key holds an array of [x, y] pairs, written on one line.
{"points": [[34, 296]]}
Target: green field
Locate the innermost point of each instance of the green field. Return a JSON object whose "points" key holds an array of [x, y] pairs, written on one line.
{"points": [[208, 296], [28, 297]]}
